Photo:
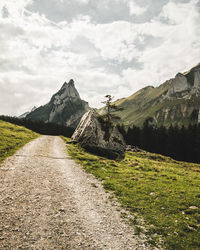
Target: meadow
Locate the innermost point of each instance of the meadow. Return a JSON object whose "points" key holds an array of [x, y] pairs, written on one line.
{"points": [[13, 137], [162, 194]]}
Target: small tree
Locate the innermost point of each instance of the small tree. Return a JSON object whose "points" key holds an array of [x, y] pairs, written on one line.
{"points": [[106, 120], [110, 108]]}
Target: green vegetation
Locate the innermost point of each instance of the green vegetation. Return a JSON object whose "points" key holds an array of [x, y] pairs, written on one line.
{"points": [[12, 137], [41, 127], [147, 103], [179, 143], [139, 106], [109, 109], [162, 191]]}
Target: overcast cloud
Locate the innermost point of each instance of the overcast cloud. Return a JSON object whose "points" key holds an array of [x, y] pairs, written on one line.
{"points": [[107, 46]]}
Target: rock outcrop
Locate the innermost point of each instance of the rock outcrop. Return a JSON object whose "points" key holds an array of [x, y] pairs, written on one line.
{"points": [[94, 136], [185, 85], [179, 86], [65, 107]]}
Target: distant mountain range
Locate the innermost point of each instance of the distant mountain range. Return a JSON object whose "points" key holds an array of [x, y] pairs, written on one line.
{"points": [[176, 101]]}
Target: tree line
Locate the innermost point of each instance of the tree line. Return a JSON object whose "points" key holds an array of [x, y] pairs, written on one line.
{"points": [[180, 143], [40, 126]]}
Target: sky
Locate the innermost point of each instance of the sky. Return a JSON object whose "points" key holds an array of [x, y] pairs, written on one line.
{"points": [[107, 46]]}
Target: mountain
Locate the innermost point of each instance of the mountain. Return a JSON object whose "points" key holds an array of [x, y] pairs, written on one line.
{"points": [[176, 101], [27, 112], [64, 108]]}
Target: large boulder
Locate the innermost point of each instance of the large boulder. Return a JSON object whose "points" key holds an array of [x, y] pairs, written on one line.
{"points": [[94, 135]]}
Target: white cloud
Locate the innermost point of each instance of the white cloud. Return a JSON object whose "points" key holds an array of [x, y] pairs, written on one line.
{"points": [[177, 52], [176, 13], [115, 41], [15, 8], [135, 9], [38, 55], [82, 1]]}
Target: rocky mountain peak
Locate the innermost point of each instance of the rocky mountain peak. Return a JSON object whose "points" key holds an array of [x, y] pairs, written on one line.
{"points": [[67, 84], [68, 90], [65, 107], [185, 85]]}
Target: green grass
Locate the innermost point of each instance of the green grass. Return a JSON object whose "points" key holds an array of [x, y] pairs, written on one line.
{"points": [[12, 137], [147, 103], [153, 187]]}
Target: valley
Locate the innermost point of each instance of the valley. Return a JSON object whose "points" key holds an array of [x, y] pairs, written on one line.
{"points": [[49, 201], [100, 125]]}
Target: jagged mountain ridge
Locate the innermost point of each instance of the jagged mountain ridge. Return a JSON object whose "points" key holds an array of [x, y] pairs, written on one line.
{"points": [[65, 107], [27, 112], [176, 101]]}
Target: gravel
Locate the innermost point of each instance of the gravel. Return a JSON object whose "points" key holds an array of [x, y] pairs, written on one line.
{"points": [[48, 202]]}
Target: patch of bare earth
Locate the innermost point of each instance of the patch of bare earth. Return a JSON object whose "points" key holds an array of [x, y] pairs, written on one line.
{"points": [[48, 202]]}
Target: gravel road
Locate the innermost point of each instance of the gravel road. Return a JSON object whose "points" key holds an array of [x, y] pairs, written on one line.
{"points": [[48, 202]]}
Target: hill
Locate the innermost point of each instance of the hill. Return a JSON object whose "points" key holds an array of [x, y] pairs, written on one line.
{"points": [[176, 101], [12, 138]]}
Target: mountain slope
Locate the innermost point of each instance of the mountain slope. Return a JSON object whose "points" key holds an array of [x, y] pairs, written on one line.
{"points": [[177, 101], [64, 108], [27, 112]]}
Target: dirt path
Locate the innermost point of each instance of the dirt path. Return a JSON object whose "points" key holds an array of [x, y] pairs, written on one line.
{"points": [[48, 202]]}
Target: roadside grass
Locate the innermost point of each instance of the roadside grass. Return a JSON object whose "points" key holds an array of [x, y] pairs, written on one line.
{"points": [[163, 192], [12, 137]]}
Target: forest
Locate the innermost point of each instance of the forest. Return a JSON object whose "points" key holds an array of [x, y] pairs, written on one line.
{"points": [[40, 127], [180, 143]]}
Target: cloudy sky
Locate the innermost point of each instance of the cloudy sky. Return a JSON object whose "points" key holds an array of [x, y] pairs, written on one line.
{"points": [[107, 46]]}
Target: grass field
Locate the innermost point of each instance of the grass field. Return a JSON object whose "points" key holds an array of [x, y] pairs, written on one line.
{"points": [[12, 137], [164, 192]]}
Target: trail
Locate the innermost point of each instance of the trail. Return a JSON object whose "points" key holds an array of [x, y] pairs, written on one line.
{"points": [[48, 202]]}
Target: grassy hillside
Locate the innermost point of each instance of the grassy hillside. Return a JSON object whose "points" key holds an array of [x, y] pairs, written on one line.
{"points": [[162, 191], [147, 103], [139, 106], [12, 137], [150, 102]]}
